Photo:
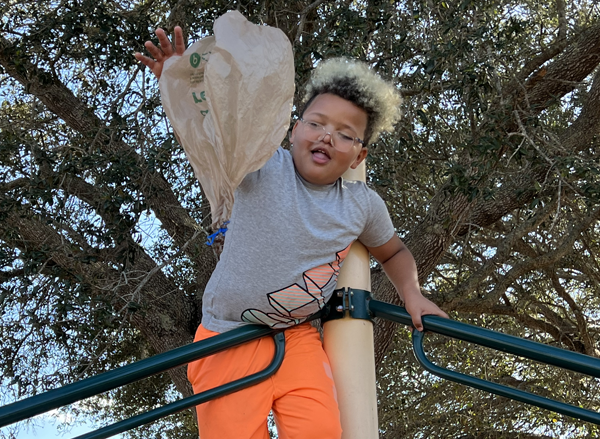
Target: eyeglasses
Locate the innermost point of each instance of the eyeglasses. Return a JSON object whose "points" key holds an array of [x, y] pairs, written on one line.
{"points": [[315, 132]]}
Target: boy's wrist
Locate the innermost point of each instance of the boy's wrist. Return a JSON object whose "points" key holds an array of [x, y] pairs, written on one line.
{"points": [[410, 293]]}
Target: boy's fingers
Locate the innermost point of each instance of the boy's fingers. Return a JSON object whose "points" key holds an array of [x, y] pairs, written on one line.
{"points": [[154, 51], [179, 45], [417, 323], [165, 44], [148, 62]]}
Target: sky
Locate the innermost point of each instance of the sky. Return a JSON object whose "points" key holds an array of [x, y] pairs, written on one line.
{"points": [[47, 427]]}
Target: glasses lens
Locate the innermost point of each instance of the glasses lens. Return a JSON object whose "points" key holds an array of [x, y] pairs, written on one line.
{"points": [[342, 142], [313, 130]]}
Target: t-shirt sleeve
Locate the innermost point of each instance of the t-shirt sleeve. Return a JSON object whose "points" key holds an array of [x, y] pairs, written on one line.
{"points": [[253, 178], [378, 227]]}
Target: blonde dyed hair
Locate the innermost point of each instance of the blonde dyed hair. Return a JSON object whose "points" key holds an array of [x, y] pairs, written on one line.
{"points": [[356, 82]]}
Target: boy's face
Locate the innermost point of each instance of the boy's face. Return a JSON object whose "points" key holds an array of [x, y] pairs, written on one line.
{"points": [[318, 162]]}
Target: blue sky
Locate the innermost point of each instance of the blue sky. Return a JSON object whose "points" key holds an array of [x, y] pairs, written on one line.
{"points": [[46, 427]]}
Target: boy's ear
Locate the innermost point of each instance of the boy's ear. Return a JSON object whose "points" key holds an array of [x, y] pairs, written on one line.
{"points": [[293, 133], [361, 156]]}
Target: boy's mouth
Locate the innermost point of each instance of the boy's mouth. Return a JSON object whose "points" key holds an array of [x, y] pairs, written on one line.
{"points": [[321, 155]]}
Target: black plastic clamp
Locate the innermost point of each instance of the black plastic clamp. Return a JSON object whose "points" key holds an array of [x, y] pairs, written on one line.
{"points": [[348, 301]]}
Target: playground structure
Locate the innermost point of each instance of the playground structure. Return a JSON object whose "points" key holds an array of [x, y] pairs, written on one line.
{"points": [[347, 303]]}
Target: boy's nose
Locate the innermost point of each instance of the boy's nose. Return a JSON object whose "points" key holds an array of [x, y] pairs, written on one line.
{"points": [[325, 135]]}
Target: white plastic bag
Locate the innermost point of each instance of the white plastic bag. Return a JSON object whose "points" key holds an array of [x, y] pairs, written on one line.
{"points": [[229, 99]]}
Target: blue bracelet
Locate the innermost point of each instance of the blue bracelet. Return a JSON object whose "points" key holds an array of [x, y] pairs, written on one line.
{"points": [[221, 231]]}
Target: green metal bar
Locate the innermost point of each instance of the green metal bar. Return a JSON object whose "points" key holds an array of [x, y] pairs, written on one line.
{"points": [[505, 343], [496, 340], [68, 394], [499, 389], [197, 399]]}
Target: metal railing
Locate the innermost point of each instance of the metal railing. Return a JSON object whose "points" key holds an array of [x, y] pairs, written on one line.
{"points": [[502, 342], [359, 306], [68, 394]]}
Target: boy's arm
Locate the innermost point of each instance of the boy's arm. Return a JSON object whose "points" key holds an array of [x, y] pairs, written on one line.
{"points": [[399, 266]]}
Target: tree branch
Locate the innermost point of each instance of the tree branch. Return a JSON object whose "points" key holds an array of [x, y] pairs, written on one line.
{"points": [[503, 249], [483, 306], [156, 190], [561, 9], [158, 314], [518, 190], [582, 326], [451, 214], [21, 230], [579, 59], [562, 248], [303, 16]]}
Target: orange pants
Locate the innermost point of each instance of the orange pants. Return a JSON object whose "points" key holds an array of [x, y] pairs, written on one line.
{"points": [[301, 393]]}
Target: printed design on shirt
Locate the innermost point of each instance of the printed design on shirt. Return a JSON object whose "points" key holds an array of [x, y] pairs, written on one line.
{"points": [[294, 304]]}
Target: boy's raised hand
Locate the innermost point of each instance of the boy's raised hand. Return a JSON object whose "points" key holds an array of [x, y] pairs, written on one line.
{"points": [[162, 53]]}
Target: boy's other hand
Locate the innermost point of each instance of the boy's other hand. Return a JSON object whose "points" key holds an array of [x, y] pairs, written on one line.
{"points": [[162, 53], [419, 306], [400, 267]]}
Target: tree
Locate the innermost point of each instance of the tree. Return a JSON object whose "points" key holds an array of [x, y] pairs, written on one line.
{"points": [[492, 180]]}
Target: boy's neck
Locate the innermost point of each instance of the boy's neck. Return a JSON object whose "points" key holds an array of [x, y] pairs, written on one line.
{"points": [[314, 185]]}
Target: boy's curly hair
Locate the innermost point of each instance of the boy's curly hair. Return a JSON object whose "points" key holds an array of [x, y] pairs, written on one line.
{"points": [[356, 82]]}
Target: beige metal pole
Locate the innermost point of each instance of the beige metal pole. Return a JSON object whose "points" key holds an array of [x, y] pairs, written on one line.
{"points": [[349, 345]]}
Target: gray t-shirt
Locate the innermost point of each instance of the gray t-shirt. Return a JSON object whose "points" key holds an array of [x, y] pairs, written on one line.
{"points": [[285, 243]]}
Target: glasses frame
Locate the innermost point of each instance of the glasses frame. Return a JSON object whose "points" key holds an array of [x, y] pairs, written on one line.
{"points": [[325, 132]]}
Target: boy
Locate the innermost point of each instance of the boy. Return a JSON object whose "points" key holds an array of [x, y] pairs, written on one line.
{"points": [[291, 227]]}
